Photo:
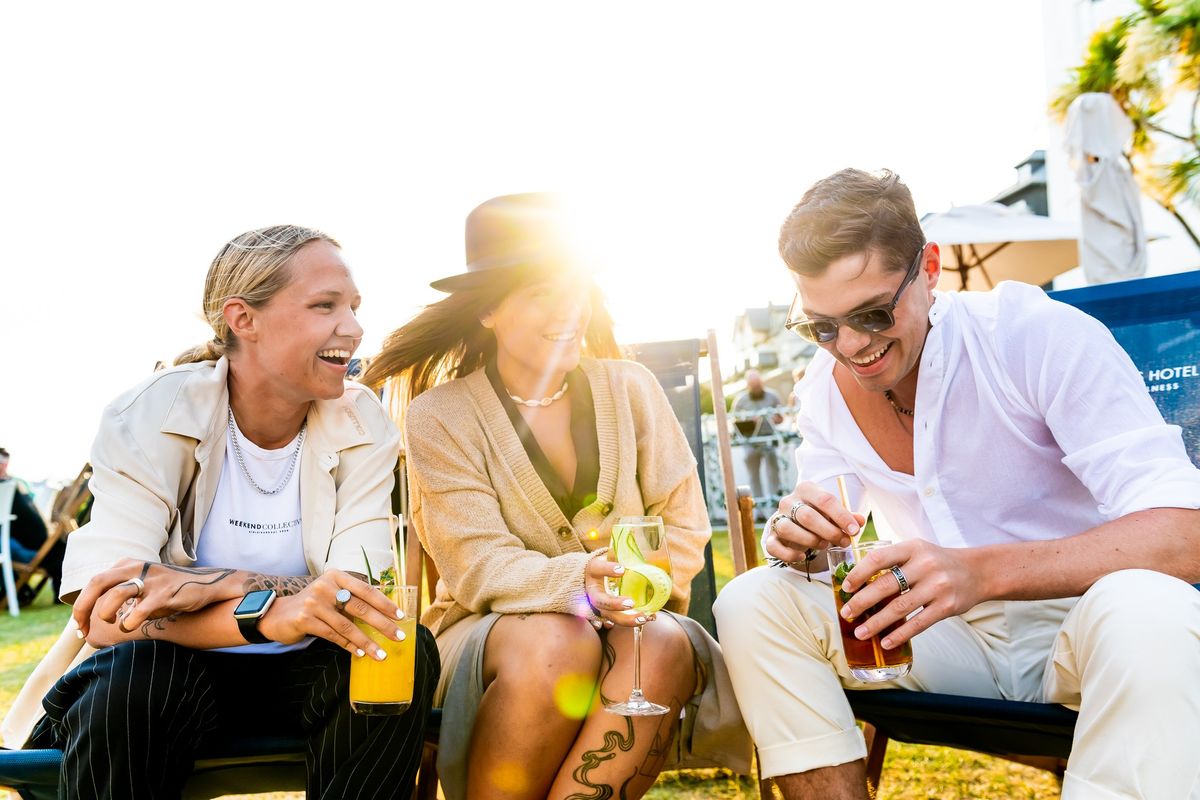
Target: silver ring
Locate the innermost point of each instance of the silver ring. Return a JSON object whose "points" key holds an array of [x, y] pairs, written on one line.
{"points": [[796, 507], [900, 579], [341, 598], [771, 523], [138, 582]]}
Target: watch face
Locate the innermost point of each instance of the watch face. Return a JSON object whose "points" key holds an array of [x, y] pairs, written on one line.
{"points": [[253, 603]]}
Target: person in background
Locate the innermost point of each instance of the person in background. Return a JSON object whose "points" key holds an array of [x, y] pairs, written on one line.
{"points": [[758, 456], [251, 474], [28, 532], [1048, 516], [527, 440]]}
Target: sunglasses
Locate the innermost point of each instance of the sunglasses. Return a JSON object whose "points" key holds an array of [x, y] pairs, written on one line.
{"points": [[875, 319]]}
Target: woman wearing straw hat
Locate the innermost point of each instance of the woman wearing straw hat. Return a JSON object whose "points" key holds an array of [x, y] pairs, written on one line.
{"points": [[237, 496], [522, 455]]}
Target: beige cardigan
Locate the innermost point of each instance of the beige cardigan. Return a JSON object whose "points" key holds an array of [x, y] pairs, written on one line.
{"points": [[157, 460], [498, 538]]}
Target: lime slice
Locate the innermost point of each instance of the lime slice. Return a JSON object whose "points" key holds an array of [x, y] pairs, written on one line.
{"points": [[869, 534], [648, 586]]}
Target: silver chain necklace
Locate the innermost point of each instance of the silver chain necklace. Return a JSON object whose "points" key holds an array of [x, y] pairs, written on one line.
{"points": [[237, 451], [545, 401]]}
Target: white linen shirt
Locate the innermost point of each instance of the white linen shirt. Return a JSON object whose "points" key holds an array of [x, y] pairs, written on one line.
{"points": [[1031, 423]]}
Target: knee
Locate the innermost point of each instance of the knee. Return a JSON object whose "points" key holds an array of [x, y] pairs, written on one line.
{"points": [[144, 679], [748, 597], [550, 643], [1125, 611]]}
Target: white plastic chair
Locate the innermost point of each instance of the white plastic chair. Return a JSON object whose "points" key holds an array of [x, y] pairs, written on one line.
{"points": [[8, 490]]}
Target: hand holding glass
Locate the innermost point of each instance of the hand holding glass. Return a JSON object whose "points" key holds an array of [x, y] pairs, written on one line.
{"points": [[386, 687], [867, 659], [639, 544]]}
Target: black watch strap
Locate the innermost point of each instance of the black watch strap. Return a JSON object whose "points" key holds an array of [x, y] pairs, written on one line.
{"points": [[248, 627]]}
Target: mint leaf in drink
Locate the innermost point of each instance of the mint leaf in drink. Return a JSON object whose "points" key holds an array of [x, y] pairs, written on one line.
{"points": [[869, 534], [367, 562], [839, 575]]}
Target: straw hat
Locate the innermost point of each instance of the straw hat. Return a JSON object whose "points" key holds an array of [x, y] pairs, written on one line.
{"points": [[527, 232]]}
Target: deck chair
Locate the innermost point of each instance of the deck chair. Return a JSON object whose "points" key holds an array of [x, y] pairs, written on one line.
{"points": [[676, 364], [69, 510], [8, 491], [1155, 320]]}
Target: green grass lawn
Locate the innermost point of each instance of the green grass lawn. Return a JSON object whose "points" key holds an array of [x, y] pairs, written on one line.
{"points": [[910, 772]]}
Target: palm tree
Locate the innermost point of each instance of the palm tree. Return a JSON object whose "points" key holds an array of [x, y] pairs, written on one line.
{"points": [[1150, 60]]}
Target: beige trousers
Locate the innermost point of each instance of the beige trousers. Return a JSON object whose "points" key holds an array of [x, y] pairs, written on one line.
{"points": [[1126, 655]]}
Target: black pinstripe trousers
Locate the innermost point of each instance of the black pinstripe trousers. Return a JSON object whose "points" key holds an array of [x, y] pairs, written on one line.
{"points": [[130, 719]]}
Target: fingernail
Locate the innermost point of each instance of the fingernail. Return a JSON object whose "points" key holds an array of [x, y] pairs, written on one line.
{"points": [[381, 654], [860, 632], [845, 612], [399, 635], [399, 613], [853, 529], [626, 604], [618, 569], [78, 634], [359, 652], [887, 644], [640, 620]]}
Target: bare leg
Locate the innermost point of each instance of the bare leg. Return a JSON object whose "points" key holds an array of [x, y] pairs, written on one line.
{"points": [[843, 782], [521, 736], [617, 756]]}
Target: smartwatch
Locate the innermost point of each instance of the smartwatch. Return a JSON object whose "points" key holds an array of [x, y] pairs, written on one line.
{"points": [[250, 612]]}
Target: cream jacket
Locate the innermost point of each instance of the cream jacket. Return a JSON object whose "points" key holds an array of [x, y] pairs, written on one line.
{"points": [[157, 459]]}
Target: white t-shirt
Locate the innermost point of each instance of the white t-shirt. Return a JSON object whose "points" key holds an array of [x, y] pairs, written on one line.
{"points": [[1031, 424], [249, 530]]}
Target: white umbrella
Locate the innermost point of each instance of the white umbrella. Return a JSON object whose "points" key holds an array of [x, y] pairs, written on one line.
{"points": [[984, 244], [1113, 244]]}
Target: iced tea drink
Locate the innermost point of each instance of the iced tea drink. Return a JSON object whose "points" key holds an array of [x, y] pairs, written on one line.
{"points": [[867, 659], [386, 687]]}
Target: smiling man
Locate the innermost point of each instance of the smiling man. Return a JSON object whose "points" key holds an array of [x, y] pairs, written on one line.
{"points": [[1045, 512]]}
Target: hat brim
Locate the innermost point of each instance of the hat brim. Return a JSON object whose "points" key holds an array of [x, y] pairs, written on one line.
{"points": [[479, 277]]}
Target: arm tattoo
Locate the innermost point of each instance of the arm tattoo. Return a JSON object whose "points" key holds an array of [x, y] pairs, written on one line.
{"points": [[282, 584]]}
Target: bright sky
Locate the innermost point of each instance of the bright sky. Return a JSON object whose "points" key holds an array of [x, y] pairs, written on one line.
{"points": [[139, 137]]}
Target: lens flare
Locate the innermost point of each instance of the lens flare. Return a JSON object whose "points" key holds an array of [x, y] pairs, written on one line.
{"points": [[573, 695], [510, 778]]}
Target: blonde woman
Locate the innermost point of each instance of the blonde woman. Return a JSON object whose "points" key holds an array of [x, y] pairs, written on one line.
{"points": [[522, 455], [251, 474]]}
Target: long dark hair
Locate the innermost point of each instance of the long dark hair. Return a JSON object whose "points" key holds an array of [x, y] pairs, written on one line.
{"points": [[446, 341]]}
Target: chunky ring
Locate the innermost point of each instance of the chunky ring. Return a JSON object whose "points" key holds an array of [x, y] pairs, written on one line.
{"points": [[139, 583], [796, 507], [771, 523], [341, 598], [900, 579]]}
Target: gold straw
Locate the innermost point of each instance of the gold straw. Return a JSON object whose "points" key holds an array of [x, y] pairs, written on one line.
{"points": [[841, 483]]}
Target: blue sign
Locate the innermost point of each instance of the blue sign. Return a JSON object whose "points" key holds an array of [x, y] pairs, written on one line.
{"points": [[1157, 321]]}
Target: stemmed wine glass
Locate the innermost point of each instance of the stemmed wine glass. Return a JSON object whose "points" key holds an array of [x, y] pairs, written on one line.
{"points": [[640, 545]]}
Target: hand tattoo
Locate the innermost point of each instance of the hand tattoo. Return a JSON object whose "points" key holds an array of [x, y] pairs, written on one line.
{"points": [[151, 626], [214, 575]]}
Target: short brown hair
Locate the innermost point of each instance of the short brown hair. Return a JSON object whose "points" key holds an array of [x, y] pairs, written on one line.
{"points": [[849, 212]]}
